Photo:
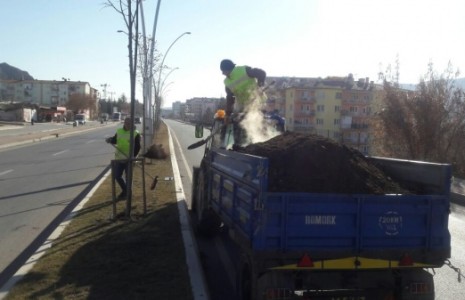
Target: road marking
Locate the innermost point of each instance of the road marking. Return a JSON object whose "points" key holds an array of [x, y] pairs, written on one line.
{"points": [[61, 152], [184, 160], [6, 172], [90, 141], [196, 274], [218, 243]]}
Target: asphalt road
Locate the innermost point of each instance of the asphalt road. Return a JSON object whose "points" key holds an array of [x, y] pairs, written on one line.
{"points": [[217, 254], [40, 184]]}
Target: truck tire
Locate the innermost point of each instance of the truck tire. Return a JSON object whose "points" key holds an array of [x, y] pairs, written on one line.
{"points": [[208, 223], [246, 279], [245, 283]]}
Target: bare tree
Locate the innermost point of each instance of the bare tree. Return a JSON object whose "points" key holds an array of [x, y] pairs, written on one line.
{"points": [[129, 10], [80, 102], [425, 124]]}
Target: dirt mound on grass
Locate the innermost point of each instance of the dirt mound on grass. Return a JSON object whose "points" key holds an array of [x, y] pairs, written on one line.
{"points": [[156, 152], [314, 164]]}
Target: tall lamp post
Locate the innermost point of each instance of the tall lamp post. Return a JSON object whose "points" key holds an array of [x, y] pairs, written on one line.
{"points": [[158, 85]]}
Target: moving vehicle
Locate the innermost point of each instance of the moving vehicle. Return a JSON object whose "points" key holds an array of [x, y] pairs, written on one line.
{"points": [[80, 119], [321, 245], [116, 117]]}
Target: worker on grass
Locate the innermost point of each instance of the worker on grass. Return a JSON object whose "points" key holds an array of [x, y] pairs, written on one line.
{"points": [[121, 140], [243, 94]]}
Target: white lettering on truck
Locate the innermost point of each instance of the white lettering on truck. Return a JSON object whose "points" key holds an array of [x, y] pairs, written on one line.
{"points": [[320, 220], [390, 222]]}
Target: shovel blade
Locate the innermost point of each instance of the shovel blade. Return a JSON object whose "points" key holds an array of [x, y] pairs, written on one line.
{"points": [[197, 144]]}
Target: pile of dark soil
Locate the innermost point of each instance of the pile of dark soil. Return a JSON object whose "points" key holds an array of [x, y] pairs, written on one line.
{"points": [[314, 164], [156, 152]]}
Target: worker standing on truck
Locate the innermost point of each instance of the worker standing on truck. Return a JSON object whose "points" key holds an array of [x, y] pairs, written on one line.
{"points": [[242, 85], [121, 140]]}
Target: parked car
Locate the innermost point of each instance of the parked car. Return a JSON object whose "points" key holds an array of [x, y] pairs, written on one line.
{"points": [[137, 120]]}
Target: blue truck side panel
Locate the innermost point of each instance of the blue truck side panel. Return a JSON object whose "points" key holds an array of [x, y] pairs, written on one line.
{"points": [[330, 223]]}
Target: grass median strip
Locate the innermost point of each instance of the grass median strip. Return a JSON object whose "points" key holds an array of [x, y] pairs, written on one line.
{"points": [[100, 257]]}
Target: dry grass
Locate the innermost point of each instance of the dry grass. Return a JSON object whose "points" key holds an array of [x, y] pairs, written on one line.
{"points": [[100, 257]]}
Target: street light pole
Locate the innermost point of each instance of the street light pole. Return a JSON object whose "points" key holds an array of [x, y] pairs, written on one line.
{"points": [[148, 114], [164, 57], [164, 79], [158, 86]]}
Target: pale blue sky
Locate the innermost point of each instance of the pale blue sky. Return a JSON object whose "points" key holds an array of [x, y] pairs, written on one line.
{"points": [[78, 39]]}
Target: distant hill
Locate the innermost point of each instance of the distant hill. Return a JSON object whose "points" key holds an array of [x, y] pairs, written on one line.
{"points": [[8, 72]]}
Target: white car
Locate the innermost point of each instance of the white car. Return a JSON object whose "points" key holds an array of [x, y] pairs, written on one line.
{"points": [[80, 119]]}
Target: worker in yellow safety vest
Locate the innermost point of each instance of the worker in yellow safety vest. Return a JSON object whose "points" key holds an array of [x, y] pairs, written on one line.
{"points": [[121, 140], [242, 85]]}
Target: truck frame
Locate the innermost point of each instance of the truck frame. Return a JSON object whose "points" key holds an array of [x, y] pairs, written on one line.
{"points": [[326, 246]]}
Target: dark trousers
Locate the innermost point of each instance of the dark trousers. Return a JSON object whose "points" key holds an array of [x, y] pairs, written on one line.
{"points": [[120, 168]]}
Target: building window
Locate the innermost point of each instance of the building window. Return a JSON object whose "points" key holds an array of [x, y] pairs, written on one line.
{"points": [[337, 108], [319, 121], [337, 121], [305, 95], [353, 109], [338, 95], [320, 108]]}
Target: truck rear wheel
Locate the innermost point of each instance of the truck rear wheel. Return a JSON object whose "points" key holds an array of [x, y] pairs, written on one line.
{"points": [[208, 223], [245, 284], [200, 195]]}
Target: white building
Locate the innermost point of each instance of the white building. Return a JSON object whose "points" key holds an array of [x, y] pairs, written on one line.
{"points": [[43, 92]]}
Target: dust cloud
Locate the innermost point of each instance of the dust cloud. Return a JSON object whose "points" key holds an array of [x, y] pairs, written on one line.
{"points": [[257, 128]]}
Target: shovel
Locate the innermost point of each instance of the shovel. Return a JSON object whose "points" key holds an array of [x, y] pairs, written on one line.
{"points": [[204, 141]]}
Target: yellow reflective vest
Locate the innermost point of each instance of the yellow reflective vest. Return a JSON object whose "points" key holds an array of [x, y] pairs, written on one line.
{"points": [[122, 143], [241, 85]]}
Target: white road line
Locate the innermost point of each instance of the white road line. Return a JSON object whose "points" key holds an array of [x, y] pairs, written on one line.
{"points": [[61, 152], [6, 172], [90, 141], [219, 245], [184, 160], [197, 277]]}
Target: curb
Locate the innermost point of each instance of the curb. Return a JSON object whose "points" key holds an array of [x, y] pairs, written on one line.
{"points": [[196, 274]]}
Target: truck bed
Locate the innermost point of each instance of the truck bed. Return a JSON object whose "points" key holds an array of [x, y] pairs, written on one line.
{"points": [[334, 225]]}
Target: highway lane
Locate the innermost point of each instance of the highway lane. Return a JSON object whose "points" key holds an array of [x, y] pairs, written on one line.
{"points": [[219, 253], [40, 183]]}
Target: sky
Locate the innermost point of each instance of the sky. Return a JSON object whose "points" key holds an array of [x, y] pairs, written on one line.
{"points": [[78, 40]]}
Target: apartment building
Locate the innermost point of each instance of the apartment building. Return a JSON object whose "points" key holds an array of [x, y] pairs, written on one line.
{"points": [[339, 108], [49, 95], [202, 109], [43, 92]]}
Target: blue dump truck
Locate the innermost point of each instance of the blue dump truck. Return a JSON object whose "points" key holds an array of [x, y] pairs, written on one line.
{"points": [[323, 245]]}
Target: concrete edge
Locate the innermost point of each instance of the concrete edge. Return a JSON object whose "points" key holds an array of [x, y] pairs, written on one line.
{"points": [[29, 264], [196, 274]]}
